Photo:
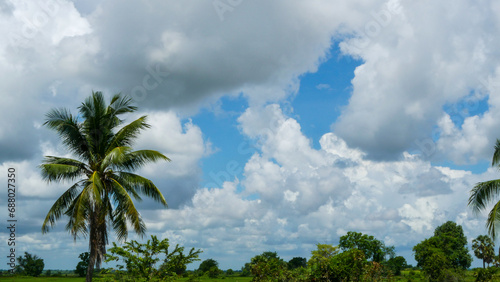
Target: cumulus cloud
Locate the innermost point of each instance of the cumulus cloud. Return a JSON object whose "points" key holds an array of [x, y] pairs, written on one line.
{"points": [[411, 69]]}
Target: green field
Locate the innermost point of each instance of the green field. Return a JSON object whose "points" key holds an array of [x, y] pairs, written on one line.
{"points": [[406, 276], [80, 279]]}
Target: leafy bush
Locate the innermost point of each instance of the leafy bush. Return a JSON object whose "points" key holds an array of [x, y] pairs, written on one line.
{"points": [[81, 267], [485, 274], [30, 265]]}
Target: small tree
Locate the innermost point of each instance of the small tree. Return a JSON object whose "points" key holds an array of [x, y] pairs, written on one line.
{"points": [[82, 266], [446, 249], [30, 265], [207, 264], [396, 264], [373, 248], [483, 248], [141, 259], [320, 261], [268, 266], [297, 262]]}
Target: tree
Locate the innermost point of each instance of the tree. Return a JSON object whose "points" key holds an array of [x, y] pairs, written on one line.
{"points": [[141, 258], [483, 248], [297, 262], [268, 266], [371, 247], [103, 169], [81, 267], [484, 193], [446, 249], [207, 264], [396, 264], [30, 265], [321, 259]]}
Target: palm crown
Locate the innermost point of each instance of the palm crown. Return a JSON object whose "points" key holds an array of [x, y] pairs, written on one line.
{"points": [[484, 193], [103, 171]]}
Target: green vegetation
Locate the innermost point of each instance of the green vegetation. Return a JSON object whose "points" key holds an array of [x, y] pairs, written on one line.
{"points": [[484, 193], [444, 253], [30, 265], [141, 259], [483, 248], [105, 184]]}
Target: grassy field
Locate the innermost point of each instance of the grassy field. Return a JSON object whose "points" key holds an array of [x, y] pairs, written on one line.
{"points": [[406, 276]]}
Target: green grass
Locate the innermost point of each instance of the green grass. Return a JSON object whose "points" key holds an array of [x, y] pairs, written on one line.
{"points": [[80, 279]]}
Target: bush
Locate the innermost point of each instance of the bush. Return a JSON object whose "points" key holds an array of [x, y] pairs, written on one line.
{"points": [[30, 265], [485, 274]]}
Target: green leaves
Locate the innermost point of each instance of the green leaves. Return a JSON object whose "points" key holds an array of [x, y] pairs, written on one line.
{"points": [[103, 168], [141, 259]]}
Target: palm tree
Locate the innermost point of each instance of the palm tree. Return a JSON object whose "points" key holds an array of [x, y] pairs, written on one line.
{"points": [[483, 248], [484, 193], [103, 171]]}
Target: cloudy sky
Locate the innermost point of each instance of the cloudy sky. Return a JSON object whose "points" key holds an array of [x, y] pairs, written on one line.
{"points": [[289, 123]]}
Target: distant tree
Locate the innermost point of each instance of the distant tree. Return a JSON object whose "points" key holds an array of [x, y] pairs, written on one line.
{"points": [[82, 266], [207, 264], [297, 262], [446, 249], [396, 264], [373, 249], [245, 270], [229, 271], [268, 266], [483, 248], [347, 266], [30, 265], [321, 259]]}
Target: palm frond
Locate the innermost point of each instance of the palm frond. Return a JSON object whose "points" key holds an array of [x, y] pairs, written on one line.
{"points": [[138, 159], [127, 134], [482, 194], [68, 128], [61, 171], [142, 185], [115, 157], [60, 206], [126, 209], [496, 154], [493, 220]]}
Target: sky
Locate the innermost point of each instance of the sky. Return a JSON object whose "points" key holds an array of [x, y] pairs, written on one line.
{"points": [[288, 123]]}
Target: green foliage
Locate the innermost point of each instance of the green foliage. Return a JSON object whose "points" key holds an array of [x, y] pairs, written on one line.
{"points": [[485, 274], [30, 265], [105, 186], [485, 193], [297, 262], [207, 264], [141, 259], [348, 265], [81, 267], [373, 249], [268, 266], [483, 248], [396, 264], [229, 271], [446, 249]]}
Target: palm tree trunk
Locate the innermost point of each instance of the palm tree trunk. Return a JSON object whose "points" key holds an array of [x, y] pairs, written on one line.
{"points": [[93, 245]]}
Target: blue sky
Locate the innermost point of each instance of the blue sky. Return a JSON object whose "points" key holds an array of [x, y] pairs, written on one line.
{"points": [[289, 123]]}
